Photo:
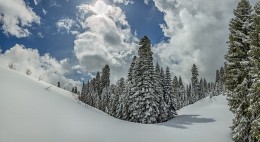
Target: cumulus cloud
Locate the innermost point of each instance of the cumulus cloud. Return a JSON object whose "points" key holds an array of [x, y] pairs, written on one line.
{"points": [[50, 69], [67, 24], [125, 2], [107, 38], [146, 2], [36, 2], [198, 31], [16, 22]]}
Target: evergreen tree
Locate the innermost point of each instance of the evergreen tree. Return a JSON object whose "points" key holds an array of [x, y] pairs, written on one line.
{"points": [[105, 98], [144, 103], [182, 94], [237, 78], [222, 80], [130, 72], [205, 87], [58, 84], [98, 91], [91, 92], [120, 92], [159, 84], [169, 94], [217, 83], [195, 84], [175, 95], [105, 78], [75, 90], [201, 89], [113, 103], [72, 90], [129, 89], [254, 96], [189, 94]]}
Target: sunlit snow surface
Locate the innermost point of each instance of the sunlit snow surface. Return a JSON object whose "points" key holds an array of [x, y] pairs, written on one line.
{"points": [[31, 113]]}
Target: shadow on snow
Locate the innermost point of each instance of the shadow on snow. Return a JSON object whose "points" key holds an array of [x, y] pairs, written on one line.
{"points": [[181, 121]]}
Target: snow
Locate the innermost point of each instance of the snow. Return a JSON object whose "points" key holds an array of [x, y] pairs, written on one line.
{"points": [[31, 113]]}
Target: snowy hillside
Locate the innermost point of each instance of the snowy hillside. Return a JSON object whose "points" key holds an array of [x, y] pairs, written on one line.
{"points": [[32, 111]]}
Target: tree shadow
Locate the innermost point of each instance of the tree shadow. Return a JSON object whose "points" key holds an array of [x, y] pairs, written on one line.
{"points": [[181, 121]]}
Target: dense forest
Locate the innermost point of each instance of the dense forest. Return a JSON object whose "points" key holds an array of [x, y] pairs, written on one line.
{"points": [[148, 94]]}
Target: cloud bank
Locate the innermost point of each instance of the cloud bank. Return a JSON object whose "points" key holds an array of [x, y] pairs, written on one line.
{"points": [[16, 23], [46, 67], [198, 31], [106, 38]]}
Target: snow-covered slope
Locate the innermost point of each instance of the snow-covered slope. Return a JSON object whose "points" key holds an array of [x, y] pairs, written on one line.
{"points": [[31, 111]]}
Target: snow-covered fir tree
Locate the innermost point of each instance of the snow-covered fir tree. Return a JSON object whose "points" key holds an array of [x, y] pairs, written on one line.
{"points": [[205, 86], [120, 92], [182, 94], [175, 95], [159, 90], [217, 84], [221, 80], [254, 96], [170, 99], [237, 79], [194, 84], [201, 89], [105, 77], [129, 89], [105, 96], [144, 107]]}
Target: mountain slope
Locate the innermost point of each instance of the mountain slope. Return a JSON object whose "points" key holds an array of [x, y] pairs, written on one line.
{"points": [[32, 111]]}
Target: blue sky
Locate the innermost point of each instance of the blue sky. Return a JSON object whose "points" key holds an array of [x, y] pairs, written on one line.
{"points": [[69, 40], [144, 20]]}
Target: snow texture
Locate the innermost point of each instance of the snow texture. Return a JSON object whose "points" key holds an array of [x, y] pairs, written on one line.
{"points": [[34, 111]]}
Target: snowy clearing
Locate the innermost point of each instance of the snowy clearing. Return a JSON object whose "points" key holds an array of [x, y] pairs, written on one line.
{"points": [[32, 111]]}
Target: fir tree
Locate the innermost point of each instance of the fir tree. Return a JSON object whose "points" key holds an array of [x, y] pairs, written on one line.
{"points": [[237, 78], [205, 86], [120, 91], [195, 84], [254, 96], [222, 80], [105, 98], [182, 94], [217, 83], [201, 89], [175, 95], [105, 77], [144, 107], [163, 108], [72, 90], [169, 94], [129, 89]]}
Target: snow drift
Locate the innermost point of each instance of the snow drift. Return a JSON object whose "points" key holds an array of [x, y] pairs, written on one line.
{"points": [[35, 111]]}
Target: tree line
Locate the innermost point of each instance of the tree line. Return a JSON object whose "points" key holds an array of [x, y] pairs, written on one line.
{"points": [[148, 94]]}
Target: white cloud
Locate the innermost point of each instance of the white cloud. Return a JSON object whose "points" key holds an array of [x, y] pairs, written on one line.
{"points": [[53, 3], [40, 35], [125, 2], [44, 11], [146, 2], [66, 24], [45, 66], [107, 39], [198, 31], [16, 17], [36, 2]]}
